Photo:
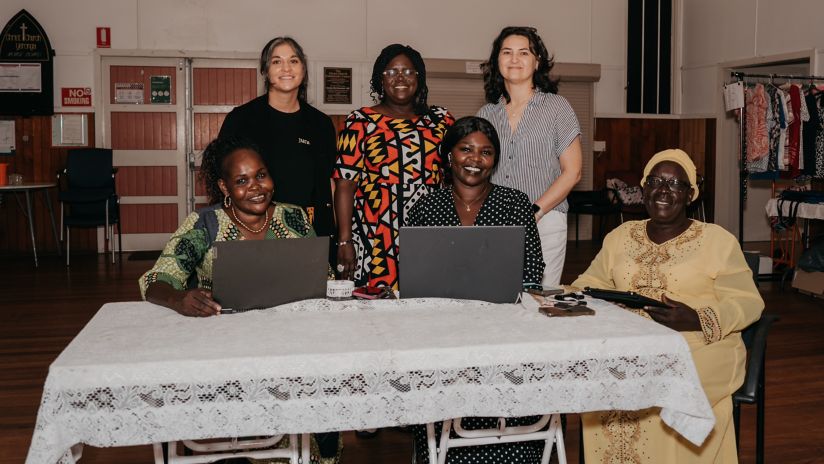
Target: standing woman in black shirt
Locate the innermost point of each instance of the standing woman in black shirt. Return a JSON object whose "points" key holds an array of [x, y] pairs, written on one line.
{"points": [[297, 144], [297, 141]]}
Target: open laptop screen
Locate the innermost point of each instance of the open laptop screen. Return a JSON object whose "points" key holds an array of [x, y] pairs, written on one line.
{"points": [[249, 274], [478, 262]]}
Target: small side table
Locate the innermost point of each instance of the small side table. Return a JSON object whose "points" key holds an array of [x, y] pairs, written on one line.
{"points": [[27, 189]]}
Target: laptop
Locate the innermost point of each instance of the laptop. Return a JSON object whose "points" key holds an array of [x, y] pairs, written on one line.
{"points": [[474, 263], [256, 274]]}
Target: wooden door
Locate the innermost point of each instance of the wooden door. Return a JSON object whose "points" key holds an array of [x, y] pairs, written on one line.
{"points": [[143, 122]]}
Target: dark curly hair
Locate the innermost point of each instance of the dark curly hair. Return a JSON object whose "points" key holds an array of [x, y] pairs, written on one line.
{"points": [[212, 167], [388, 54], [266, 61], [465, 126], [494, 82]]}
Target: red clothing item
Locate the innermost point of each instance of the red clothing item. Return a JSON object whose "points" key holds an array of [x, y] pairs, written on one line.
{"points": [[794, 131], [395, 163], [758, 140]]}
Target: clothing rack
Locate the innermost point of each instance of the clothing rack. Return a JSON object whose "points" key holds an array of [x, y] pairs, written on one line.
{"points": [[742, 137]]}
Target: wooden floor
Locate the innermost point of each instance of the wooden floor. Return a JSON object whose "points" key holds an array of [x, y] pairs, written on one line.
{"points": [[43, 309]]}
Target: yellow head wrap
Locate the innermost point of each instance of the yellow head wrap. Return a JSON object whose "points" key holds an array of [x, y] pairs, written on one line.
{"points": [[679, 157]]}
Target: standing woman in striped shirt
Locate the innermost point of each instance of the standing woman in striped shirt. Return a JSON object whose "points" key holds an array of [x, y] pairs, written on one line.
{"points": [[540, 136]]}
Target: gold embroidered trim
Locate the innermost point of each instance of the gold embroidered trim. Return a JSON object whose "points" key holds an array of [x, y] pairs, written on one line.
{"points": [[709, 325], [622, 431], [652, 258]]}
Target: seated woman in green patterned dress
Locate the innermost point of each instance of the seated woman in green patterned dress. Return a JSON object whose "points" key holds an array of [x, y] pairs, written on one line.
{"points": [[239, 190]]}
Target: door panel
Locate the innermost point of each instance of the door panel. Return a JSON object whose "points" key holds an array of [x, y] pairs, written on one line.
{"points": [[224, 86], [147, 181], [142, 75], [144, 131], [148, 143], [206, 128], [218, 86]]}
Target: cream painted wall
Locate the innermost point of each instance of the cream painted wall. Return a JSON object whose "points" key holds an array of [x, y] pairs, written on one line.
{"points": [[588, 31], [738, 32]]}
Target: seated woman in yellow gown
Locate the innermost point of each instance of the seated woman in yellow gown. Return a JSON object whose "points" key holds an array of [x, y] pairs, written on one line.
{"points": [[698, 269]]}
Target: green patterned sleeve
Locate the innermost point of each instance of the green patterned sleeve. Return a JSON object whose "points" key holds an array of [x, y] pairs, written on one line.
{"points": [[290, 221], [180, 258]]}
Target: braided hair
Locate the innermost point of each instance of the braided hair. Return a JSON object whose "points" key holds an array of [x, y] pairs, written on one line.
{"points": [[388, 54], [212, 166]]}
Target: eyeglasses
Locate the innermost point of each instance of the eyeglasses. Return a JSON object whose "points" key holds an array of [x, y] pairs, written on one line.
{"points": [[674, 184], [392, 72]]}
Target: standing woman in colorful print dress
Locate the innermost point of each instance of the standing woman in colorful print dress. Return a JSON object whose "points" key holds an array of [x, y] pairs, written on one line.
{"points": [[387, 160], [540, 136]]}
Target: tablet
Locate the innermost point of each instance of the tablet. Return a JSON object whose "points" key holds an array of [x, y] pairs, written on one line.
{"points": [[628, 299]]}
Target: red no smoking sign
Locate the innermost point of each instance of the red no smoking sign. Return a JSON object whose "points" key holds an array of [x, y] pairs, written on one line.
{"points": [[76, 96]]}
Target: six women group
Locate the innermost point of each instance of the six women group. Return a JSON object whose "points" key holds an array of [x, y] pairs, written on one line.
{"points": [[271, 171]]}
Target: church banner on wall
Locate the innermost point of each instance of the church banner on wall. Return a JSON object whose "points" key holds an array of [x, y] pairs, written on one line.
{"points": [[26, 68]]}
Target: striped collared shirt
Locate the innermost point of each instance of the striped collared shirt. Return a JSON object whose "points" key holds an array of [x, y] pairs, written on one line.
{"points": [[530, 158]]}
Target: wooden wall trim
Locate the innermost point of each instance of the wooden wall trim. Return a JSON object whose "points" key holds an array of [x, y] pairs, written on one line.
{"points": [[37, 160]]}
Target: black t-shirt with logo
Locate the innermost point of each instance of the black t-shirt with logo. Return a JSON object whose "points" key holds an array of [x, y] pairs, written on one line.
{"points": [[298, 149]]}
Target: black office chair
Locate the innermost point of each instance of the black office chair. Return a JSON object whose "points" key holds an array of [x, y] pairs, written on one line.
{"points": [[599, 203], [87, 195], [753, 392]]}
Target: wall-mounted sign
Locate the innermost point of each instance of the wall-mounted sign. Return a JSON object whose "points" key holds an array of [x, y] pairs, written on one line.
{"points": [[161, 87], [69, 130], [7, 137], [473, 67], [128, 92], [76, 96], [20, 77], [337, 85], [24, 40], [104, 37], [26, 68]]}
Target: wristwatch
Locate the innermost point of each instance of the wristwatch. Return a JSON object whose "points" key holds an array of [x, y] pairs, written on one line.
{"points": [[535, 208]]}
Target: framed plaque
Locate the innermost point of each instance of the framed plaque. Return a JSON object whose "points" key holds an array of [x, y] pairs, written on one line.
{"points": [[337, 86]]}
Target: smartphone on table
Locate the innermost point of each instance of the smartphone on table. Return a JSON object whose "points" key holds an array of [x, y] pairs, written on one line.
{"points": [[371, 293]]}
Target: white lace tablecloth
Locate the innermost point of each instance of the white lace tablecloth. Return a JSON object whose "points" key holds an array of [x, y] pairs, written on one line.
{"points": [[139, 373], [805, 210]]}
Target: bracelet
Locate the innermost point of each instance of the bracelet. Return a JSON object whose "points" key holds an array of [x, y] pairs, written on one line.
{"points": [[344, 242]]}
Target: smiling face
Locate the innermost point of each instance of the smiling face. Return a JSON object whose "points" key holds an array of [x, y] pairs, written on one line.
{"points": [[286, 70], [400, 89], [473, 159], [516, 62], [246, 181], [664, 204]]}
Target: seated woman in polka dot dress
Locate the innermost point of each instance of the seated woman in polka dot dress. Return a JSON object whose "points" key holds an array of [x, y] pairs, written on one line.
{"points": [[472, 148]]}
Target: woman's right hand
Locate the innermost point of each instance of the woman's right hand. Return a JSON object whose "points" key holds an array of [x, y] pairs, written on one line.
{"points": [[346, 258], [198, 303]]}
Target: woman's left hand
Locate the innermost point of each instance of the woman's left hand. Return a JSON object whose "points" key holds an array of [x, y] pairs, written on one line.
{"points": [[678, 316]]}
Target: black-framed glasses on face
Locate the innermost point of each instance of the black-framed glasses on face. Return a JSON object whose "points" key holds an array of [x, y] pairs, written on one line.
{"points": [[406, 72], [673, 184]]}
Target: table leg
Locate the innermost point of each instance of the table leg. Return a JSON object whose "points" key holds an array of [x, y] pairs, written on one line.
{"points": [[31, 226], [430, 443], [305, 453], [51, 216]]}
